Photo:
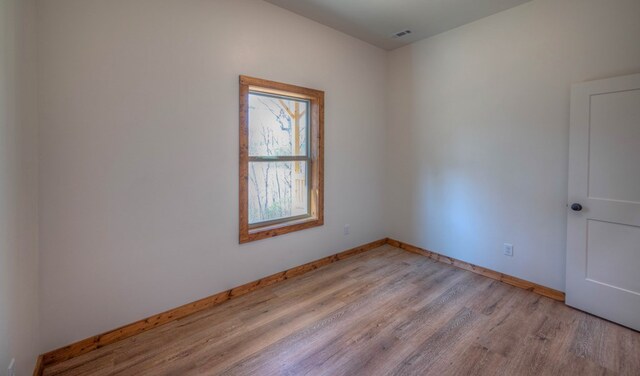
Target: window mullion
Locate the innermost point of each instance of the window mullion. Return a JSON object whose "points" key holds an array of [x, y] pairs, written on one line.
{"points": [[301, 158]]}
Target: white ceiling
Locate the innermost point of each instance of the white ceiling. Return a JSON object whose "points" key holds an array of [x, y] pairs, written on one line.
{"points": [[374, 21]]}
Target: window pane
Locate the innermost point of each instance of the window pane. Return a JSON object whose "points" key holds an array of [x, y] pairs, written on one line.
{"points": [[277, 126], [277, 190]]}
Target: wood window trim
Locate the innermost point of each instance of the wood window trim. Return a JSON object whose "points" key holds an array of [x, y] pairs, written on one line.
{"points": [[316, 100]]}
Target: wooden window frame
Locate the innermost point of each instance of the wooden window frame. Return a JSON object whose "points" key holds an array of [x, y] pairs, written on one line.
{"points": [[315, 98]]}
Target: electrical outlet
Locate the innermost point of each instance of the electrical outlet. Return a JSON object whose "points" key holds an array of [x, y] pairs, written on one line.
{"points": [[11, 370], [507, 249], [346, 229]]}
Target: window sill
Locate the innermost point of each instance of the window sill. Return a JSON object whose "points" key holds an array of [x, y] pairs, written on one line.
{"points": [[279, 229]]}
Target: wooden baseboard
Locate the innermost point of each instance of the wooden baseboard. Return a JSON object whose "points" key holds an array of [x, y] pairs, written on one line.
{"points": [[96, 342], [521, 283]]}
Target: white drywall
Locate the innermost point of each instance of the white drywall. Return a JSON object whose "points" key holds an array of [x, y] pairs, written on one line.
{"points": [[478, 127], [18, 187], [139, 151]]}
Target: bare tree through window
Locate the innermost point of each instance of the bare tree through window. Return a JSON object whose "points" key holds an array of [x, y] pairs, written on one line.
{"points": [[278, 133]]}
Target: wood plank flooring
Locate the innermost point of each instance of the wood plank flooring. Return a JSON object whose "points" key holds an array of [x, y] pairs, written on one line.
{"points": [[384, 312]]}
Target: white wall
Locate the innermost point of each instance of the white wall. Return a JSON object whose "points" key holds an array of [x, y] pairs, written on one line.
{"points": [[478, 130], [18, 187], [139, 151]]}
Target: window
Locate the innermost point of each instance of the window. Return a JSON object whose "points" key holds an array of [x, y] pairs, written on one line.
{"points": [[281, 158]]}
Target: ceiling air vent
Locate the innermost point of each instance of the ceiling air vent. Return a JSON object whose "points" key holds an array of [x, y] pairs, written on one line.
{"points": [[401, 33]]}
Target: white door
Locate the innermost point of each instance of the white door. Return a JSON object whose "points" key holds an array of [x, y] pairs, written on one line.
{"points": [[603, 225]]}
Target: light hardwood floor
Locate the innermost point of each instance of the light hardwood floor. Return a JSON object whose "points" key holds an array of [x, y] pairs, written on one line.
{"points": [[384, 312]]}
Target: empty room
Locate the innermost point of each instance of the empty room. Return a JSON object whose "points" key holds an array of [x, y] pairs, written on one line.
{"points": [[319, 187]]}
